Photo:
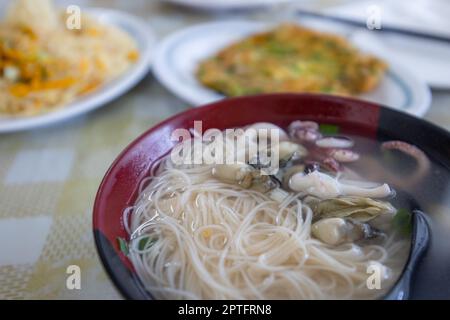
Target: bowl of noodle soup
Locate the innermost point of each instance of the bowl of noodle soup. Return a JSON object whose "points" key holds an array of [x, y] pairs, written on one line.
{"points": [[182, 231]]}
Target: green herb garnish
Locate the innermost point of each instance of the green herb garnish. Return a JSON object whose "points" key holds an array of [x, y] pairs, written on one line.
{"points": [[328, 129], [402, 222], [123, 245], [145, 243]]}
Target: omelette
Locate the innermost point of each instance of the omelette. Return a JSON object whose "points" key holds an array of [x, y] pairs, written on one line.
{"points": [[291, 58]]}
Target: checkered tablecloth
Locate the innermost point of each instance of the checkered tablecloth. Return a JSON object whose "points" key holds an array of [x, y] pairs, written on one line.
{"points": [[49, 178], [48, 182]]}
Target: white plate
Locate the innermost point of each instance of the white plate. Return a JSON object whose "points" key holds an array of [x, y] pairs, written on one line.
{"points": [[227, 4], [145, 40], [428, 58], [178, 56]]}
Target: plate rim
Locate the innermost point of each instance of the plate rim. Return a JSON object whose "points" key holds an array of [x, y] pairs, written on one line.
{"points": [[226, 5], [342, 10], [101, 97], [163, 71]]}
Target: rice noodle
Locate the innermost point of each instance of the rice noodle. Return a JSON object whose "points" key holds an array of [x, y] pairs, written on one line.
{"points": [[212, 240]]}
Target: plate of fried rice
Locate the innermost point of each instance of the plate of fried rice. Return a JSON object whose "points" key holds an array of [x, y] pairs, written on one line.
{"points": [[55, 65]]}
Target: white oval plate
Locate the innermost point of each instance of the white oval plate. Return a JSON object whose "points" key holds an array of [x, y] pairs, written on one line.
{"points": [[178, 56], [227, 4], [145, 40], [427, 57]]}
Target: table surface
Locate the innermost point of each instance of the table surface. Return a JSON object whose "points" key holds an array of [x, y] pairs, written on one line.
{"points": [[49, 177]]}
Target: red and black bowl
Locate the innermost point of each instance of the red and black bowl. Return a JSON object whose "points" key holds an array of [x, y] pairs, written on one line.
{"points": [[118, 189]]}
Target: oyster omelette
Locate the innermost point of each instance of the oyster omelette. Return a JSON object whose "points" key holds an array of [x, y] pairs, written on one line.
{"points": [[291, 58]]}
